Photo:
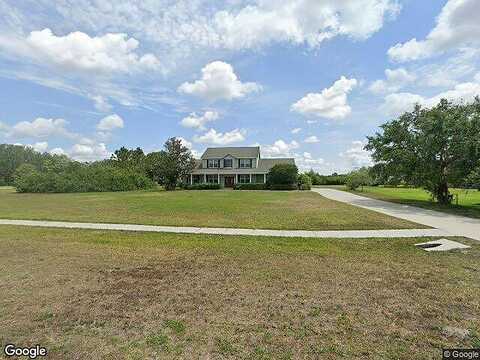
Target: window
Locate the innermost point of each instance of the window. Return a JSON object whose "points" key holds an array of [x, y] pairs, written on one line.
{"points": [[212, 179], [244, 178], [245, 163], [213, 163], [227, 163]]}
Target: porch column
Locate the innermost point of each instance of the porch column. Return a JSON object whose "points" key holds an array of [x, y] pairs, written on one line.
{"points": [[250, 178], [204, 178], [264, 178], [191, 179], [218, 179]]}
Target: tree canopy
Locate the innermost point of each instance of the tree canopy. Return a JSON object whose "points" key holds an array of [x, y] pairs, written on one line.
{"points": [[433, 148]]}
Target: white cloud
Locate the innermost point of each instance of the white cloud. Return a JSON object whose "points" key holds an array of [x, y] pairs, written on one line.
{"points": [[457, 26], [279, 148], [110, 122], [199, 121], [311, 140], [397, 103], [331, 103], [296, 130], [307, 161], [40, 146], [394, 81], [78, 51], [57, 151], [40, 128], [219, 82], [101, 103], [218, 138], [89, 152], [301, 21], [357, 156]]}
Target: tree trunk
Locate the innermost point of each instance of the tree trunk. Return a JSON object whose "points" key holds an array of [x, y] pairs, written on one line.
{"points": [[442, 194]]}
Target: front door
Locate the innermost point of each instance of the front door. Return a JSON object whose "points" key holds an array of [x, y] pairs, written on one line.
{"points": [[229, 180]]}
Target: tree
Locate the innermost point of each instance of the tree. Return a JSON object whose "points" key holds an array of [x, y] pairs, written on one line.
{"points": [[129, 159], [357, 178], [473, 179], [283, 174], [171, 165], [432, 148], [304, 182]]}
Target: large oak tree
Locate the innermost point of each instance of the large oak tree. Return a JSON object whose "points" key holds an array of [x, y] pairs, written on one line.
{"points": [[433, 148]]}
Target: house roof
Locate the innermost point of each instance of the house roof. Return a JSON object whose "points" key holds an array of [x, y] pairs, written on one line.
{"points": [[237, 152], [267, 164]]}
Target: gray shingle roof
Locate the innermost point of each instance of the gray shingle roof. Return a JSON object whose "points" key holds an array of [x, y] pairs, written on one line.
{"points": [[267, 164], [238, 152]]}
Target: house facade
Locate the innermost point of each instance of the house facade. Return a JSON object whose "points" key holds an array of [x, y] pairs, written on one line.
{"points": [[228, 166]]}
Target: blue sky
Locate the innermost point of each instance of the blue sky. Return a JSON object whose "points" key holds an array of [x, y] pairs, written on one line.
{"points": [[303, 78]]}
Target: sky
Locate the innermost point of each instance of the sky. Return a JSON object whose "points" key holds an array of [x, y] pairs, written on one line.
{"points": [[308, 79]]}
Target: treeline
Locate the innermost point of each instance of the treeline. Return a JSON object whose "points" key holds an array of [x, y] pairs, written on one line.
{"points": [[334, 179], [31, 171]]}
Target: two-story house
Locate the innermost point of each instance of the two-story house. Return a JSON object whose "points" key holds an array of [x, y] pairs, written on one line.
{"points": [[231, 165]]}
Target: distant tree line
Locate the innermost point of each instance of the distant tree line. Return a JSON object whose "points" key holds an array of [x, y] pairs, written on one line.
{"points": [[31, 171], [333, 179]]}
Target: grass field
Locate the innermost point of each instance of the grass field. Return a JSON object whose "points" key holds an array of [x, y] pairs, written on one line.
{"points": [[241, 209], [118, 295], [468, 200]]}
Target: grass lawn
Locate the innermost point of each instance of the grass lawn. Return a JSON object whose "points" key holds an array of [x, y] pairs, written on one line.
{"points": [[468, 200], [119, 295], [242, 209]]}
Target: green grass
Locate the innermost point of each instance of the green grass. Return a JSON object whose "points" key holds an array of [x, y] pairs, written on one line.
{"points": [[234, 209], [468, 200], [121, 295]]}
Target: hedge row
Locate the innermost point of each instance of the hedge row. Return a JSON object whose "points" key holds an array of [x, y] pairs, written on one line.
{"points": [[249, 187], [203, 187], [79, 178]]}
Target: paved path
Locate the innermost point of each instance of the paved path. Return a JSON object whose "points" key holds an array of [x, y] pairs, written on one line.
{"points": [[453, 224], [227, 231]]}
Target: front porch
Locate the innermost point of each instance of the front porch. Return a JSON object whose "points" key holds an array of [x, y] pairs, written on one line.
{"points": [[228, 180]]}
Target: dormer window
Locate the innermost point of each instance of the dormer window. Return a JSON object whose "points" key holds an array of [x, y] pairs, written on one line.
{"points": [[228, 163], [245, 163], [213, 163]]}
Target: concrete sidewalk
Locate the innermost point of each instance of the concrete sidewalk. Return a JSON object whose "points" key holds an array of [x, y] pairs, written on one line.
{"points": [[453, 224], [227, 231]]}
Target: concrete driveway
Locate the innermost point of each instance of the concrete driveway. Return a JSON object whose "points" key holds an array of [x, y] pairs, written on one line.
{"points": [[453, 224]]}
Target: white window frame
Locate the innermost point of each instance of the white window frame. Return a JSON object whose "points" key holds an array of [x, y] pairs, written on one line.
{"points": [[244, 176], [214, 177], [231, 163], [216, 163], [249, 162]]}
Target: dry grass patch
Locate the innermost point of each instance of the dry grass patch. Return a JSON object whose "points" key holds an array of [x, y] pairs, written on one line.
{"points": [[112, 295]]}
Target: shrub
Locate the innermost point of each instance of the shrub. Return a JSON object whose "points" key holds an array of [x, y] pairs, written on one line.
{"points": [[203, 187], [283, 187], [249, 187], [358, 178], [304, 182], [282, 174]]}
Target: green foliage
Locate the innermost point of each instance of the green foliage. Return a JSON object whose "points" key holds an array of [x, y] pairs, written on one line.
{"points": [[202, 187], [171, 165], [334, 179], [77, 177], [13, 156], [129, 159], [431, 148], [283, 187], [249, 187], [282, 174], [473, 179], [358, 178], [304, 182]]}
